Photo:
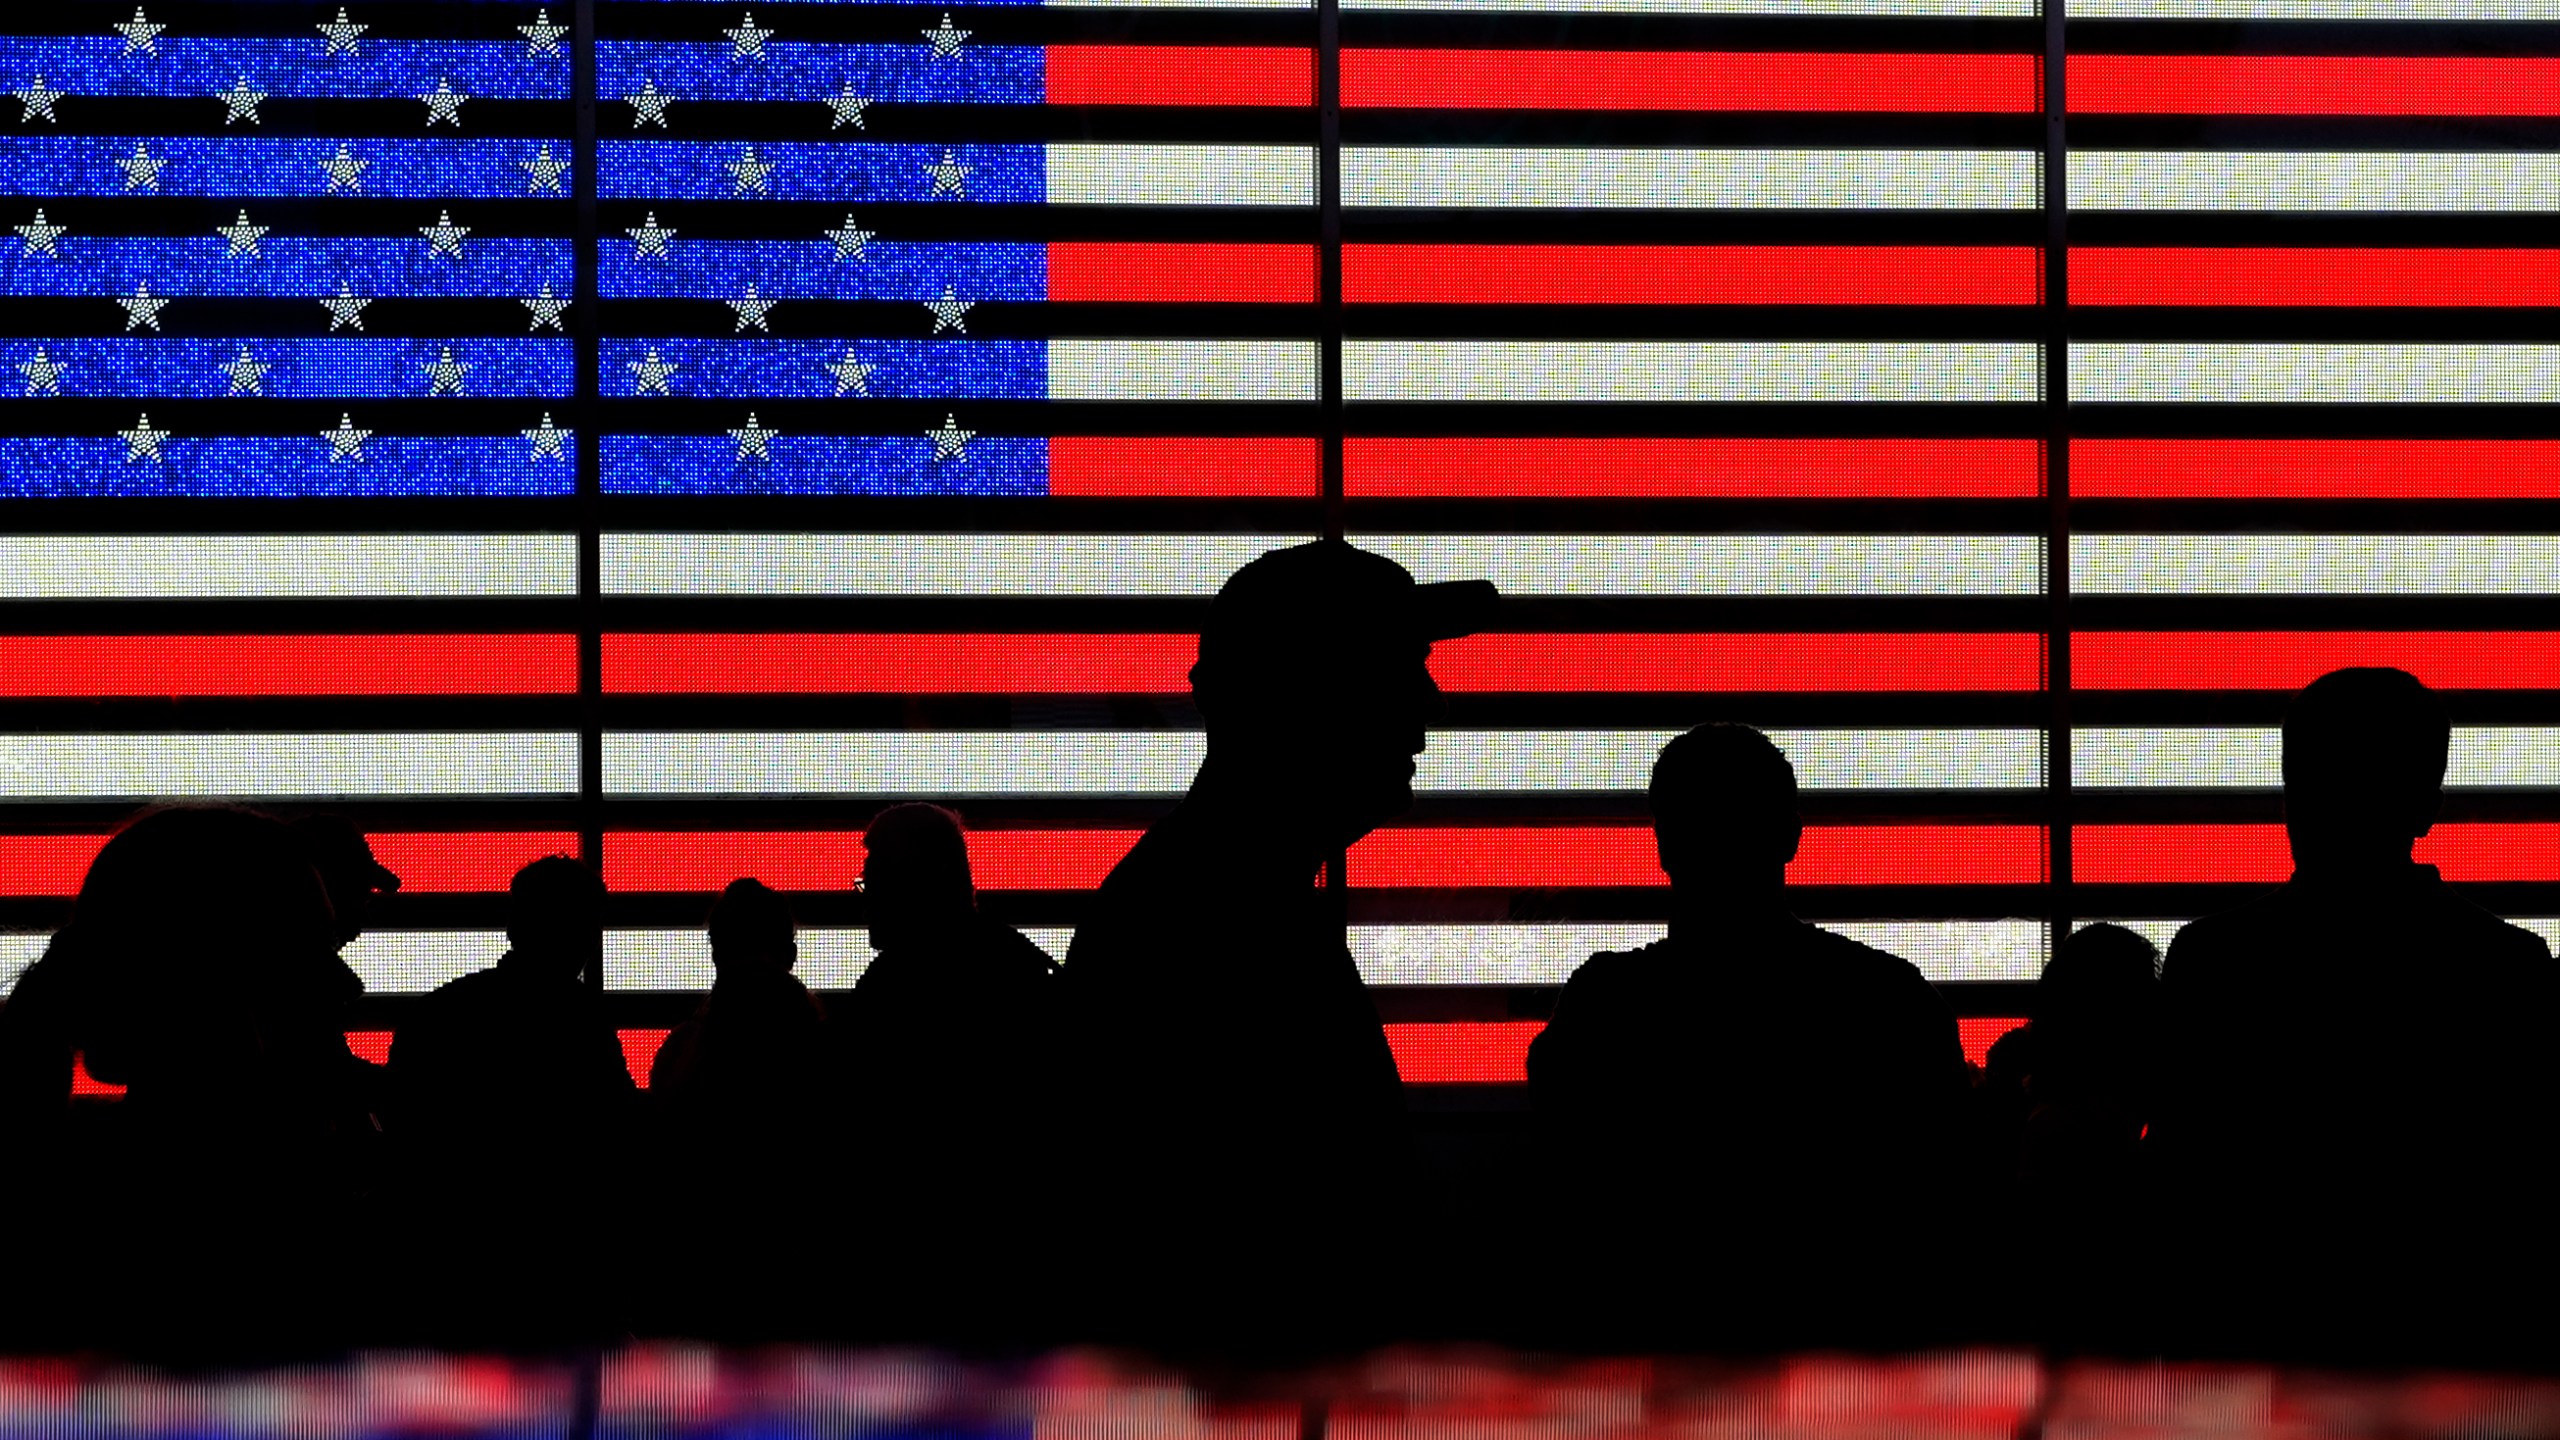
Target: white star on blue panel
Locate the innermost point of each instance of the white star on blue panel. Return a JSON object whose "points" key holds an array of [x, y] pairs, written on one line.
{"points": [[946, 40], [243, 237], [36, 103], [346, 442], [948, 175], [543, 173], [142, 442], [142, 168], [649, 106], [245, 374], [241, 102], [542, 37], [649, 237], [40, 235], [850, 239], [346, 307], [951, 442], [139, 33], [142, 307], [749, 37], [950, 312], [44, 373], [444, 237], [444, 103], [752, 309], [341, 34], [345, 172], [546, 440], [546, 308], [444, 374], [751, 440], [852, 376], [848, 107], [750, 172], [649, 376]]}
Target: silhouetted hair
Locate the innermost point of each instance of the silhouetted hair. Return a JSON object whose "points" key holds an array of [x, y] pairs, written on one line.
{"points": [[2366, 727], [924, 845], [1730, 771], [552, 892], [2095, 973], [750, 916]]}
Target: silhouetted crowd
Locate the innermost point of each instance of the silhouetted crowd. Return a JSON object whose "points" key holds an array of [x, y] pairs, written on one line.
{"points": [[2312, 1131]]}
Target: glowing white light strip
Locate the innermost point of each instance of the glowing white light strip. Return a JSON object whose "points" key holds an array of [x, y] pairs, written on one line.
{"points": [[1726, 564], [681, 959], [1954, 8], [17, 952], [1691, 371], [410, 962], [303, 767], [2315, 10], [1944, 950], [1182, 370], [1181, 174], [284, 567], [2503, 756], [1615, 179], [2315, 564], [2181, 372], [1163, 762], [2313, 180], [655, 564], [2161, 932]]}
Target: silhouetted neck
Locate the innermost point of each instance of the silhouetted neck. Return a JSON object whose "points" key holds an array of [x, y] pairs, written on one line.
{"points": [[2381, 874], [1268, 828], [1709, 923]]}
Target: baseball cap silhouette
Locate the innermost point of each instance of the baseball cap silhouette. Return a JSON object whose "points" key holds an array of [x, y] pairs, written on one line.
{"points": [[1308, 606]]}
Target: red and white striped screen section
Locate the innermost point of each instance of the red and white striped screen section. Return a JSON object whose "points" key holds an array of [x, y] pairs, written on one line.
{"points": [[2312, 292]]}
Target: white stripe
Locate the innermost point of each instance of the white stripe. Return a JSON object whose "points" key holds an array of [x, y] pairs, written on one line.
{"points": [[876, 564], [2315, 564], [681, 959], [1181, 174], [1950, 950], [1726, 564], [1182, 370], [2313, 180], [411, 962], [18, 950], [2182, 372], [1691, 371], [2021, 9], [2500, 756], [2162, 932], [954, 763], [2315, 10], [1614, 179], [302, 767], [284, 567]]}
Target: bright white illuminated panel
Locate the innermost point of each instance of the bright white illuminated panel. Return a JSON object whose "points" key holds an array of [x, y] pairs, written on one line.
{"points": [[1181, 174], [409, 962], [1691, 371], [2315, 564], [1726, 564], [654, 564], [2332, 10], [17, 952], [284, 567], [2503, 756], [1947, 950], [1163, 762], [2161, 932], [2312, 180], [681, 959], [2176, 372], [1182, 370], [206, 767], [1615, 179]]}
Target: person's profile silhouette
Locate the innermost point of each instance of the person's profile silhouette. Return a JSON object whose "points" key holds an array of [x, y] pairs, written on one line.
{"points": [[2358, 1067], [1731, 1102], [1235, 1084]]}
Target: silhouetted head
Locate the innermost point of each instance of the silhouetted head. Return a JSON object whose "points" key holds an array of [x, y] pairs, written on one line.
{"points": [[1313, 679], [1724, 813], [347, 867], [751, 929], [192, 925], [555, 915], [916, 885], [2364, 762], [2097, 1011]]}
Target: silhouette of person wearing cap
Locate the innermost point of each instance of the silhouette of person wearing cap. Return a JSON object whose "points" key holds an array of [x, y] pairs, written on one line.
{"points": [[1752, 1108], [2360, 1082], [1243, 1121]]}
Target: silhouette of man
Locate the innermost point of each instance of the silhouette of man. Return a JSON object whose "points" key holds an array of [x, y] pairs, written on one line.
{"points": [[1735, 1102], [949, 1044], [513, 1100], [1245, 1120], [2360, 1075]]}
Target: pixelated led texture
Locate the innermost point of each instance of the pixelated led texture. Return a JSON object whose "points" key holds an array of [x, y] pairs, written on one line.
{"points": [[279, 467], [820, 170], [291, 265], [812, 268], [303, 369], [190, 65], [896, 74], [919, 369], [800, 464], [250, 165]]}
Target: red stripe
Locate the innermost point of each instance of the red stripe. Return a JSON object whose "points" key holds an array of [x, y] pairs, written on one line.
{"points": [[1544, 468], [1282, 466], [2282, 660], [2316, 469], [438, 862], [1979, 1035], [2235, 854], [2314, 84], [1467, 1053], [1681, 664], [1180, 75], [1697, 80], [639, 1050], [1181, 274], [1690, 275], [101, 666], [818, 860], [899, 664], [1160, 664], [2267, 276], [1562, 856]]}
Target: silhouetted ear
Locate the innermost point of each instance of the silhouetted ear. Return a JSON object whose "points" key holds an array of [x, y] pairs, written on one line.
{"points": [[1665, 850], [1795, 838]]}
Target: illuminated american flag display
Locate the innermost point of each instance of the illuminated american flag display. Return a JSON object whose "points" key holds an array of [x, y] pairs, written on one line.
{"points": [[863, 403]]}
